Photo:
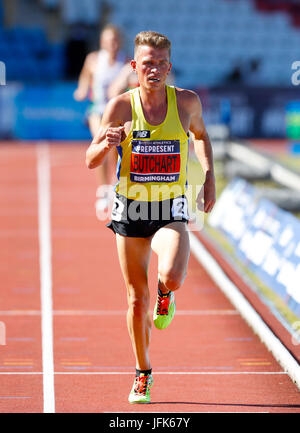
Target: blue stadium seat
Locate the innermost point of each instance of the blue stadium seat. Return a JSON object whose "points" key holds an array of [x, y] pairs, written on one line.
{"points": [[216, 33], [29, 47]]}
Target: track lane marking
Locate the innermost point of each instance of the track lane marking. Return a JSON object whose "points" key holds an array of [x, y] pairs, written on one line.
{"points": [[111, 373], [44, 224], [238, 300], [114, 312]]}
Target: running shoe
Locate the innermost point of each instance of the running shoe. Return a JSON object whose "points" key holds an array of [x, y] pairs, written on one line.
{"points": [[140, 392], [164, 310]]}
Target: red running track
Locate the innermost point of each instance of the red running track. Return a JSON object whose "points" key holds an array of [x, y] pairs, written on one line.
{"points": [[209, 360]]}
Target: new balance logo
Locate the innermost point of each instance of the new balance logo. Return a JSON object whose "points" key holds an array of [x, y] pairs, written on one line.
{"points": [[141, 134]]}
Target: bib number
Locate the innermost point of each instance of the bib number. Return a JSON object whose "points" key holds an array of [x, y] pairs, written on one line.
{"points": [[180, 208], [117, 210]]}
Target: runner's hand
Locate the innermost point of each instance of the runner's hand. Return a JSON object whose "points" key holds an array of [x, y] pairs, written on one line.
{"points": [[79, 95], [209, 193], [207, 196], [114, 136]]}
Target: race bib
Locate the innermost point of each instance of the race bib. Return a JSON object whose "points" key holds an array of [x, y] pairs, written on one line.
{"points": [[117, 213], [180, 208], [155, 161]]}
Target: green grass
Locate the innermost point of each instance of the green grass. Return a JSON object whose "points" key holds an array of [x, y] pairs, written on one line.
{"points": [[292, 161]]}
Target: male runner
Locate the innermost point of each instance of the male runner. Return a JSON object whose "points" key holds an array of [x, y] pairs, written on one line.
{"points": [[149, 126], [99, 71], [127, 79]]}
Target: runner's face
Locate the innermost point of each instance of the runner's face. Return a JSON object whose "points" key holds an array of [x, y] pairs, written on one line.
{"points": [[152, 66], [110, 41]]}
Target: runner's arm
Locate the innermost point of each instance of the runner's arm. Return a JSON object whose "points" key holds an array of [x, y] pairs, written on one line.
{"points": [[204, 153], [110, 134], [120, 84], [84, 80]]}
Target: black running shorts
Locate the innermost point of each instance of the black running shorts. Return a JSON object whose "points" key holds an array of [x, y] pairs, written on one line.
{"points": [[142, 219]]}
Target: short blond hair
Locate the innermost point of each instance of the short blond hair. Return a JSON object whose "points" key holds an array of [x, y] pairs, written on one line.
{"points": [[152, 39]]}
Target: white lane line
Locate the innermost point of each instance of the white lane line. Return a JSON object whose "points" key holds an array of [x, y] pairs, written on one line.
{"points": [[281, 354], [20, 313], [114, 312], [44, 221], [188, 373], [123, 312]]}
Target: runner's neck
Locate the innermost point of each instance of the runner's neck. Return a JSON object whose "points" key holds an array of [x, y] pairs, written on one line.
{"points": [[154, 104]]}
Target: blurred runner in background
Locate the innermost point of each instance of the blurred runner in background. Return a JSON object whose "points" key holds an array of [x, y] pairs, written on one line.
{"points": [[100, 68]]}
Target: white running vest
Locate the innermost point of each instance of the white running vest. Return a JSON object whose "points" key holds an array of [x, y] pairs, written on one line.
{"points": [[103, 77]]}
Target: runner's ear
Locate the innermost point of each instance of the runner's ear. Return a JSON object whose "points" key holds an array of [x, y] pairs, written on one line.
{"points": [[133, 65]]}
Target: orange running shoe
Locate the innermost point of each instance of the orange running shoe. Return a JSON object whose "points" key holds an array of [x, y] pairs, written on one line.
{"points": [[140, 392]]}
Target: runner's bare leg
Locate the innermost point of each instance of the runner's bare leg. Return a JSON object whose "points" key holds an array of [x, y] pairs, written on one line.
{"points": [[134, 256], [172, 246]]}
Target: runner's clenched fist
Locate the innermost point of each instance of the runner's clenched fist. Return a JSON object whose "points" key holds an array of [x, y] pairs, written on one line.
{"points": [[114, 136]]}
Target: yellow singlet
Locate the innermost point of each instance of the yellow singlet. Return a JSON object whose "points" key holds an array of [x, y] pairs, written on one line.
{"points": [[152, 164]]}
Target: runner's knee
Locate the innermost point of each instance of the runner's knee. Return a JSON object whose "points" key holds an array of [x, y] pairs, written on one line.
{"points": [[138, 303], [172, 279]]}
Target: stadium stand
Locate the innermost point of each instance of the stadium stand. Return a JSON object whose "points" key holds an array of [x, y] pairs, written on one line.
{"points": [[29, 56], [212, 36], [213, 40], [33, 46]]}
